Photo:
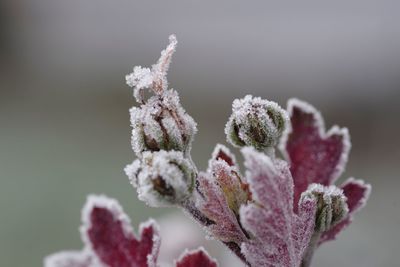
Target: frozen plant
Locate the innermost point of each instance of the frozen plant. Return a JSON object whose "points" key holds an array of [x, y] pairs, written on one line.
{"points": [[276, 213]]}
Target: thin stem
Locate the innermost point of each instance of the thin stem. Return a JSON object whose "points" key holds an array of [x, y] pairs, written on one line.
{"points": [[308, 254]]}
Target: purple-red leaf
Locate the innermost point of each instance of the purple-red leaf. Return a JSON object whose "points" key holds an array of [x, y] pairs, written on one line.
{"points": [[196, 258], [109, 239], [222, 194], [215, 206], [221, 152], [357, 193], [280, 236], [315, 156]]}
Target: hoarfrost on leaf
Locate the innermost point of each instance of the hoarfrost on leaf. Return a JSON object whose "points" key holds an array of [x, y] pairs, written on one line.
{"points": [[279, 235], [109, 239], [196, 258], [317, 156]]}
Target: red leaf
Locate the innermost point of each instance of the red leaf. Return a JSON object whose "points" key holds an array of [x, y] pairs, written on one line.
{"points": [[280, 235], [221, 152], [196, 258], [222, 194], [315, 156], [109, 239]]}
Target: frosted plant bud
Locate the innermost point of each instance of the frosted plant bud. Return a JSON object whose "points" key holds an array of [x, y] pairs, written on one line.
{"points": [[154, 78], [255, 122], [162, 124], [331, 205], [165, 178]]}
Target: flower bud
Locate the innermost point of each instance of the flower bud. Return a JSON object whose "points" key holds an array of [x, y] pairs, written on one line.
{"points": [[164, 178], [331, 205], [255, 122], [162, 124]]}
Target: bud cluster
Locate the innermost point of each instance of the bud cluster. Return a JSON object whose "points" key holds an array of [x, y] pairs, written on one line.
{"points": [[331, 205], [256, 122], [162, 133]]}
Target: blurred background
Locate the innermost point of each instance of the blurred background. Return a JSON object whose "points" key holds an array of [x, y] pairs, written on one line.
{"points": [[64, 122]]}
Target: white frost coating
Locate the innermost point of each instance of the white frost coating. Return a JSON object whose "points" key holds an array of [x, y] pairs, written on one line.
{"points": [[87, 257], [271, 218], [320, 125], [218, 148], [166, 178], [161, 123], [132, 170], [251, 114], [112, 205], [201, 249], [367, 193], [83, 258], [155, 79], [152, 258]]}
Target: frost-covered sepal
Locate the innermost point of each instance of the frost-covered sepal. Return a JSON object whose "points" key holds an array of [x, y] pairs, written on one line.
{"points": [[109, 239], [255, 122], [357, 193], [331, 205], [196, 258], [164, 178], [162, 124]]}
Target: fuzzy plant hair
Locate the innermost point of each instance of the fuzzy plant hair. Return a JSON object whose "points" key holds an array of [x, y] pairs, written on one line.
{"points": [[275, 213]]}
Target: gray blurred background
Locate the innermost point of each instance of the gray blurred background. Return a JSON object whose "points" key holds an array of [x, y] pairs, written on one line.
{"points": [[64, 123]]}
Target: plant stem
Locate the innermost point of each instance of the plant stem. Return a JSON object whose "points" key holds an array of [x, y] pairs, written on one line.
{"points": [[308, 254]]}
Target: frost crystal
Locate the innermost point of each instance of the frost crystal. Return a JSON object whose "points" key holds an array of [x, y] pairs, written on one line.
{"points": [[255, 122]]}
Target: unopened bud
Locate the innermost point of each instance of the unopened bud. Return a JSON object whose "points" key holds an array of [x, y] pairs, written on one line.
{"points": [[255, 122], [163, 178], [331, 205], [162, 124]]}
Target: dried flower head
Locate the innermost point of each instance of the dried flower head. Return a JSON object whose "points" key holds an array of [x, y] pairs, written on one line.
{"points": [[255, 122]]}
